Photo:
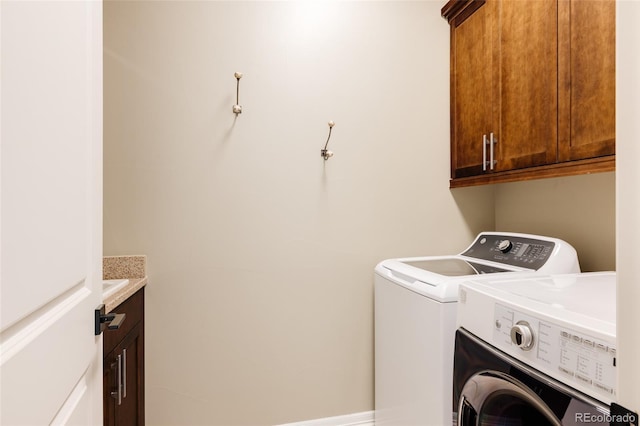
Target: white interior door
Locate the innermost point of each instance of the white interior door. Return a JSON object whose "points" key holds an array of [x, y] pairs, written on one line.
{"points": [[50, 212]]}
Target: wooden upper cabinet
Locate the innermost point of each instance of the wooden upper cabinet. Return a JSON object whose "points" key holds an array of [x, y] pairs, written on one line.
{"points": [[532, 88], [471, 89], [587, 37], [527, 83]]}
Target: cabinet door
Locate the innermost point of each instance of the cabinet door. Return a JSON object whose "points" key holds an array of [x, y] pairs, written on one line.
{"points": [[471, 87], [587, 79], [128, 344], [525, 111], [132, 409], [125, 364]]}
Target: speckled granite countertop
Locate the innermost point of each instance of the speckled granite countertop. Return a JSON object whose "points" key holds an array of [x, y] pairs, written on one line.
{"points": [[133, 268]]}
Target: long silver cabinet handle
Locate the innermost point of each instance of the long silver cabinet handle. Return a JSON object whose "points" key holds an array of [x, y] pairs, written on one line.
{"points": [[484, 153], [117, 394], [124, 373], [492, 141]]}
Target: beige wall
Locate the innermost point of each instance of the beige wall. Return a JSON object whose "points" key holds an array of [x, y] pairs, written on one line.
{"points": [[261, 254], [628, 207], [579, 209]]}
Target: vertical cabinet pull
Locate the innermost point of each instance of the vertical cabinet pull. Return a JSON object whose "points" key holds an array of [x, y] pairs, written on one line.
{"points": [[124, 373], [484, 152], [117, 394], [491, 142], [121, 377]]}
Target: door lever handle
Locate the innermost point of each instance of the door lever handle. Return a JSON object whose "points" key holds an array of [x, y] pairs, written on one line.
{"points": [[110, 321]]}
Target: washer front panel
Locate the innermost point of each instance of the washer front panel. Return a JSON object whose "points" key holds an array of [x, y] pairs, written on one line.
{"points": [[486, 402], [582, 361]]}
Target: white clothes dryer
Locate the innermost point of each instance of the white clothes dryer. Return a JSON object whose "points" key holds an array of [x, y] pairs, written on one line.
{"points": [[415, 319], [536, 351]]}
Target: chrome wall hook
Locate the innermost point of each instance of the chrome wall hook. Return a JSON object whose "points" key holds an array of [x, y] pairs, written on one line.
{"points": [[237, 109], [325, 153]]}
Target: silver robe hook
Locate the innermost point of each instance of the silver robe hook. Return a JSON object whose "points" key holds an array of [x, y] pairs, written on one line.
{"points": [[325, 153], [237, 109]]}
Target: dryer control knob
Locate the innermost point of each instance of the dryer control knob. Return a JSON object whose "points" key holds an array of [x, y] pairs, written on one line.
{"points": [[505, 245], [522, 335]]}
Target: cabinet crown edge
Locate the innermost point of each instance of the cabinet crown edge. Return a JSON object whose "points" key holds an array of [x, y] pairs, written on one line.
{"points": [[453, 7]]}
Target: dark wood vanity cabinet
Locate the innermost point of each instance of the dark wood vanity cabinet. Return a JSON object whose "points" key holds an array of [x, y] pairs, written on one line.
{"points": [[532, 88], [123, 368]]}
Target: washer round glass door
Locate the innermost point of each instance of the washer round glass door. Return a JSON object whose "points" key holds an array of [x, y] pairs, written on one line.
{"points": [[495, 398]]}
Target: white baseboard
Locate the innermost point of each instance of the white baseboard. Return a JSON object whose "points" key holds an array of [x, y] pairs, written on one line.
{"points": [[366, 418]]}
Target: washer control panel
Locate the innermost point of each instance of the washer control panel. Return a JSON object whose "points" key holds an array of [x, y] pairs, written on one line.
{"points": [[584, 362], [513, 250]]}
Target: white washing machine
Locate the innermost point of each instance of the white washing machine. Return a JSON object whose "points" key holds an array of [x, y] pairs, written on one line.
{"points": [[415, 319], [536, 351]]}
